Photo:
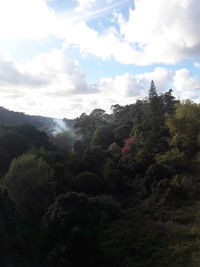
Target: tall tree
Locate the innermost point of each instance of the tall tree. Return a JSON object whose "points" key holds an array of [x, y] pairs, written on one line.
{"points": [[152, 91]]}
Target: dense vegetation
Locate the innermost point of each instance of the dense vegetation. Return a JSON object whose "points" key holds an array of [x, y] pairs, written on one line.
{"points": [[124, 192]]}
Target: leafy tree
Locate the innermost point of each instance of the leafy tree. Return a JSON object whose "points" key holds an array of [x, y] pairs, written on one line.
{"points": [[85, 125], [122, 115], [174, 160], [168, 102], [72, 230], [114, 151], [36, 138], [30, 182], [95, 157], [88, 183], [98, 113], [122, 132], [184, 127], [8, 226], [103, 136]]}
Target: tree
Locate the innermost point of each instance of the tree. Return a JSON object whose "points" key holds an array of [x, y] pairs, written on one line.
{"points": [[36, 138], [30, 182], [98, 113], [184, 127], [8, 226], [152, 91], [103, 136], [88, 183], [71, 227], [85, 125], [168, 102]]}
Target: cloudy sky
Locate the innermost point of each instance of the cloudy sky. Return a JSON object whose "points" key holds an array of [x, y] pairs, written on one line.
{"points": [[61, 58]]}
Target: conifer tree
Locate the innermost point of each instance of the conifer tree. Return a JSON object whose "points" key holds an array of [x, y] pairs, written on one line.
{"points": [[152, 91]]}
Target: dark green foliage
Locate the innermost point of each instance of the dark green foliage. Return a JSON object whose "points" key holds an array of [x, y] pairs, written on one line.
{"points": [[85, 125], [95, 157], [72, 228], [88, 183], [122, 132], [103, 136], [8, 225], [12, 145], [152, 91], [35, 137], [14, 141], [30, 182]]}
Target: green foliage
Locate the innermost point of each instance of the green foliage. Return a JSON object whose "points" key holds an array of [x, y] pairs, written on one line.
{"points": [[184, 127], [126, 195], [174, 160], [152, 91], [35, 137], [14, 141], [103, 136], [71, 225], [122, 132], [85, 125], [114, 150], [88, 183], [95, 156], [30, 182], [11, 145], [8, 222]]}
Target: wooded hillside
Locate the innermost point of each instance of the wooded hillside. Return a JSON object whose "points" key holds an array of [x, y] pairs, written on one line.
{"points": [[124, 191]]}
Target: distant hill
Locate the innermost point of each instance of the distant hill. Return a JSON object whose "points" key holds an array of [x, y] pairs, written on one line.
{"points": [[47, 124]]}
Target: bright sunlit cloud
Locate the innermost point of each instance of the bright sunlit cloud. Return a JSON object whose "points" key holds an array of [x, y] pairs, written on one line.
{"points": [[26, 18]]}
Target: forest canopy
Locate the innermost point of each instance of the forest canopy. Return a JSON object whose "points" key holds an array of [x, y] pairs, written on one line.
{"points": [[122, 191]]}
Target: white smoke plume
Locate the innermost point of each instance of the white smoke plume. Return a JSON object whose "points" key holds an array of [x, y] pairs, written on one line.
{"points": [[60, 126]]}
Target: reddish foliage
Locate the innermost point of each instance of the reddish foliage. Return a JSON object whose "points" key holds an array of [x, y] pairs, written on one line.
{"points": [[126, 149], [131, 141]]}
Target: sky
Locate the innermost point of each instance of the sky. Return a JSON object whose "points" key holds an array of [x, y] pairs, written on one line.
{"points": [[61, 58]]}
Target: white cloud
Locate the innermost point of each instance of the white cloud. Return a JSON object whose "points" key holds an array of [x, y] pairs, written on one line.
{"points": [[11, 73], [84, 4], [52, 83], [121, 86], [155, 32], [62, 71], [165, 31], [187, 86], [136, 86], [105, 45], [26, 18], [163, 78], [67, 92], [197, 65], [45, 85], [53, 73]]}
